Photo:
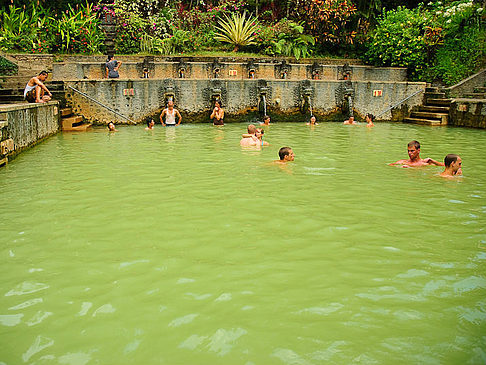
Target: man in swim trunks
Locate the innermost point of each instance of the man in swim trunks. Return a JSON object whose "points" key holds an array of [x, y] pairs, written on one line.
{"points": [[170, 115], [250, 138], [35, 89], [453, 166], [285, 154], [415, 160]]}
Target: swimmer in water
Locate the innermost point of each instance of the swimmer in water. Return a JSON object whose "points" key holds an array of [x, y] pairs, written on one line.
{"points": [[312, 121], [350, 121], [250, 138], [150, 125], [285, 154], [218, 114], [259, 134], [453, 166], [266, 120], [111, 127], [369, 120], [415, 160]]}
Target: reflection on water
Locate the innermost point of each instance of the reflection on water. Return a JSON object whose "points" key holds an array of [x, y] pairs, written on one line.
{"points": [[191, 249]]}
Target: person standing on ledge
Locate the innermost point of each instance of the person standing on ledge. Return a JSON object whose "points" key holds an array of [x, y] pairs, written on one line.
{"points": [[218, 114], [112, 66], [415, 160], [35, 89], [170, 115], [285, 154], [453, 166]]}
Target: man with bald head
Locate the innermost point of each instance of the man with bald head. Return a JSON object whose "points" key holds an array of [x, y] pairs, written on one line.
{"points": [[250, 138]]}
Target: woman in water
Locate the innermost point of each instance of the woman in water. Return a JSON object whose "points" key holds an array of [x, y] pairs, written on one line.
{"points": [[369, 120], [218, 114], [150, 125], [111, 127]]}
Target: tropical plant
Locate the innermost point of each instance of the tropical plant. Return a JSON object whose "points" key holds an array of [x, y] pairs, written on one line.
{"points": [[238, 30], [292, 42]]}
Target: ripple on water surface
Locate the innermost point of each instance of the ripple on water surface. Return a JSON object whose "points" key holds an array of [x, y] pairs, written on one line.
{"points": [[175, 246]]}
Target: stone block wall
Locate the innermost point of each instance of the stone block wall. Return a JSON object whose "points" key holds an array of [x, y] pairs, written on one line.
{"points": [[28, 124], [468, 113], [137, 99]]}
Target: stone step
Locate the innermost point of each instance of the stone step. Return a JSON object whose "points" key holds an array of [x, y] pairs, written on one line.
{"points": [[78, 128], [476, 95], [423, 121], [434, 109], [435, 95], [66, 112], [431, 89], [480, 89], [70, 122], [429, 115], [438, 102]]}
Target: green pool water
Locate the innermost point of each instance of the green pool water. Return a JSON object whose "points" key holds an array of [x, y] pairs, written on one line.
{"points": [[175, 246]]}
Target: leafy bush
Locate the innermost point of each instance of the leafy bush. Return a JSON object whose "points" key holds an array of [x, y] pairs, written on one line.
{"points": [[291, 41], [399, 41], [237, 30], [7, 67]]}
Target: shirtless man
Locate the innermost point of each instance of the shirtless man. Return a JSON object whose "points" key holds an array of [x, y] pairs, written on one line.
{"points": [[285, 154], [35, 89], [170, 115], [453, 166], [259, 134], [266, 120], [415, 160], [350, 121], [312, 121], [250, 138], [218, 114]]}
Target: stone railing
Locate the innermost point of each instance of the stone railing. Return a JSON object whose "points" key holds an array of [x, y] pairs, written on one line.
{"points": [[467, 85]]}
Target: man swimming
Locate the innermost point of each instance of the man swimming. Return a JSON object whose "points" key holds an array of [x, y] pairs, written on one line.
{"points": [[250, 138], [266, 120], [170, 115], [350, 121], [285, 154], [453, 166], [415, 160]]}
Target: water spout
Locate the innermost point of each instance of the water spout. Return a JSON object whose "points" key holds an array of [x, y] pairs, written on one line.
{"points": [[264, 101], [350, 105]]}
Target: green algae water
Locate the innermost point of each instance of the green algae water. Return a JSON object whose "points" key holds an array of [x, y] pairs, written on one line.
{"points": [[175, 246]]}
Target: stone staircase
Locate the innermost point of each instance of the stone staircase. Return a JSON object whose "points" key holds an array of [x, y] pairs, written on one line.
{"points": [[434, 112], [73, 123], [479, 93]]}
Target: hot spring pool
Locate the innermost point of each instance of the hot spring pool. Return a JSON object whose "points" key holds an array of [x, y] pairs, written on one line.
{"points": [[175, 246]]}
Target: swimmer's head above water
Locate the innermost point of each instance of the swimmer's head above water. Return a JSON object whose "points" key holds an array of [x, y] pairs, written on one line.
{"points": [[286, 154]]}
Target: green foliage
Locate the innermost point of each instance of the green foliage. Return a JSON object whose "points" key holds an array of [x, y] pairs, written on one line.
{"points": [[35, 30], [399, 41], [438, 41], [291, 41], [7, 67], [459, 56], [237, 30]]}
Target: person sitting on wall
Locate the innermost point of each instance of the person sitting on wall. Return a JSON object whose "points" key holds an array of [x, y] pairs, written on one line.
{"points": [[145, 73], [170, 115], [218, 114], [285, 154], [266, 120], [150, 125], [250, 138], [415, 160], [453, 166], [35, 89], [350, 121], [112, 66], [369, 118], [111, 127], [312, 121]]}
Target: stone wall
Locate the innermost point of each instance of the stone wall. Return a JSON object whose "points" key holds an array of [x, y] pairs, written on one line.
{"points": [[228, 70], [31, 61], [468, 113], [137, 99], [24, 125], [467, 85]]}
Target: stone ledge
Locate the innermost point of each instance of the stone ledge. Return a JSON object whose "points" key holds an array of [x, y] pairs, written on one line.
{"points": [[12, 107]]}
